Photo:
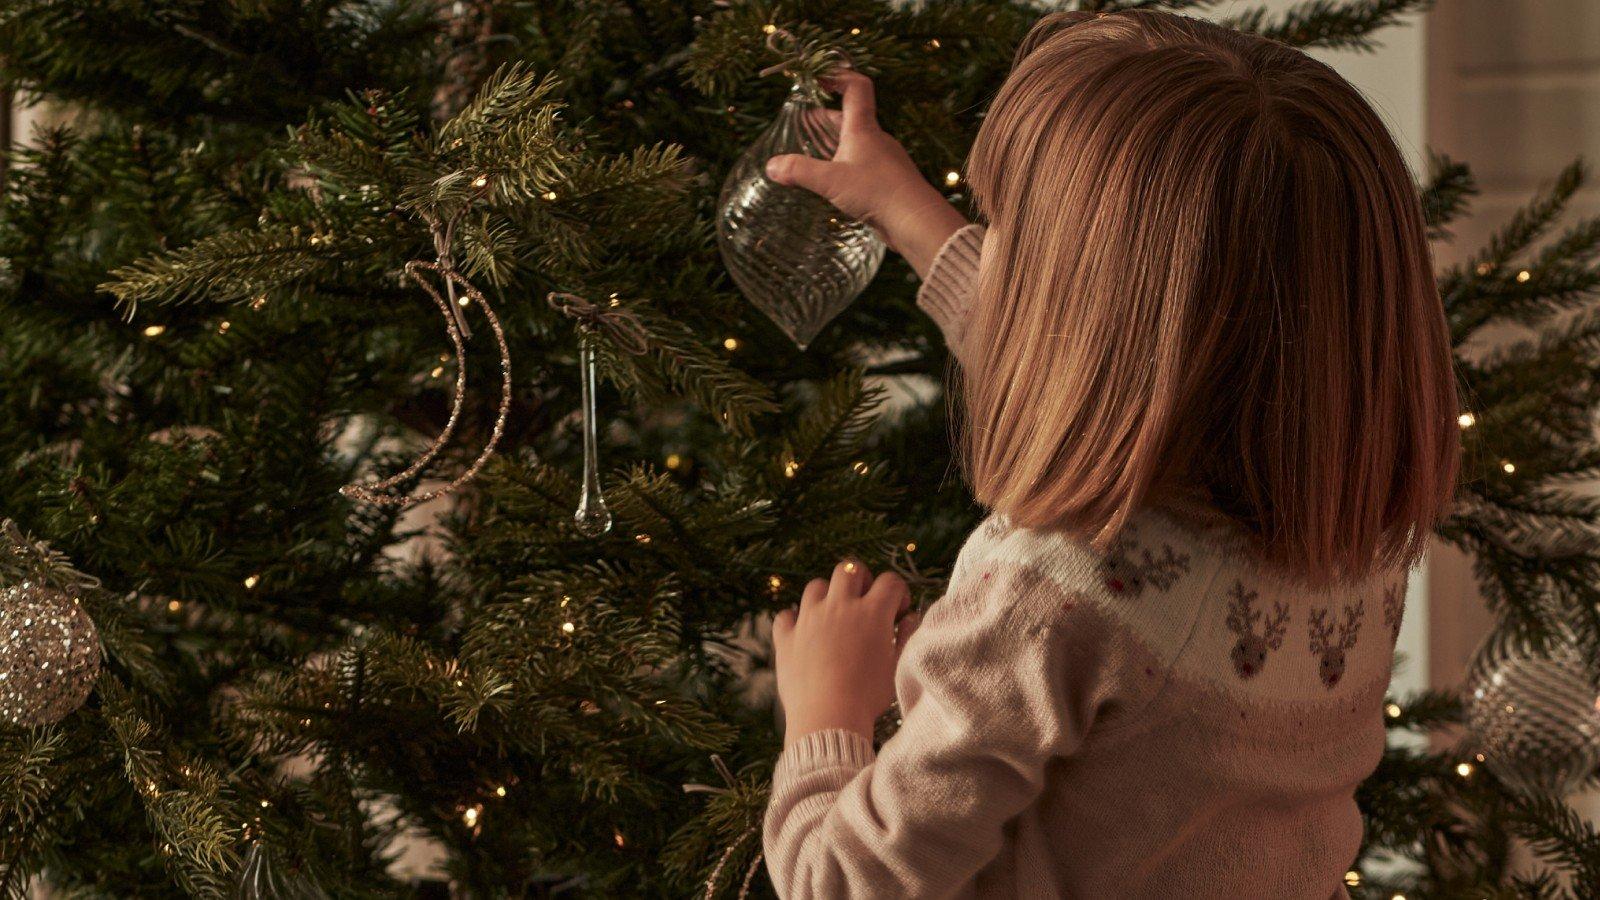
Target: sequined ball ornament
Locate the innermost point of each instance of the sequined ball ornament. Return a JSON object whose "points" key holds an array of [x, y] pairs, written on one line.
{"points": [[49, 654], [792, 254]]}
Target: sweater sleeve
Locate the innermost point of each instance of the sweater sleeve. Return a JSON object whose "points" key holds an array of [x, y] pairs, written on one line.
{"points": [[990, 693], [946, 295]]}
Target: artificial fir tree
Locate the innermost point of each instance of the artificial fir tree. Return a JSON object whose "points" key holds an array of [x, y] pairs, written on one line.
{"points": [[208, 334]]}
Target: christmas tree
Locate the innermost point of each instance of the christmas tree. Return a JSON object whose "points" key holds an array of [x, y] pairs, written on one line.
{"points": [[211, 327]]}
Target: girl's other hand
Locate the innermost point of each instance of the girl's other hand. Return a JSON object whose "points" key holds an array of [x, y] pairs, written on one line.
{"points": [[836, 655], [871, 178]]}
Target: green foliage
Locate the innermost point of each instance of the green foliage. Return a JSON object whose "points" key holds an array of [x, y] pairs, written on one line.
{"points": [[208, 333]]}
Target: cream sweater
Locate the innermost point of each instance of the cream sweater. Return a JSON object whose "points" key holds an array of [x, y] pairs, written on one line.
{"points": [[1167, 719]]}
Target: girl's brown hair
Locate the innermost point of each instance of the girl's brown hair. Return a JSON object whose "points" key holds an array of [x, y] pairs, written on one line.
{"points": [[1206, 267]]}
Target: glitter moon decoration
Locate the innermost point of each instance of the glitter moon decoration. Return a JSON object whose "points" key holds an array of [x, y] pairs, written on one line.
{"points": [[1533, 715], [792, 254], [49, 654]]}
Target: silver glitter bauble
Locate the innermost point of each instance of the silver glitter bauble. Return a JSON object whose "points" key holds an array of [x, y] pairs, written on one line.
{"points": [[1533, 715], [49, 654], [792, 254]]}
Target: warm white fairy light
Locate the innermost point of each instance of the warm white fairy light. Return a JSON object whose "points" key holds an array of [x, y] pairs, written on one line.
{"points": [[568, 627], [1464, 769], [952, 178], [1524, 275], [1508, 466], [251, 581], [1393, 709], [1466, 420], [151, 331], [481, 181], [730, 343]]}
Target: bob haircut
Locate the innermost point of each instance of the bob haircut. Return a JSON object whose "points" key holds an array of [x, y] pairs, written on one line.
{"points": [[1206, 271]]}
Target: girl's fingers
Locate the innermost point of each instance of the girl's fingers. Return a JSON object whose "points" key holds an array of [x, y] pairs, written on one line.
{"points": [[782, 632], [857, 96], [907, 627], [816, 589], [891, 590], [799, 170], [850, 580]]}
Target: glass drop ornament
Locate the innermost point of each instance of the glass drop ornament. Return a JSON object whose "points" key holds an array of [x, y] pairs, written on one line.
{"points": [[792, 254], [593, 517], [1534, 715], [49, 654]]}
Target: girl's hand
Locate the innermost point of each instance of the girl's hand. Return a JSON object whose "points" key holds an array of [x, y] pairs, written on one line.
{"points": [[871, 178], [836, 656]]}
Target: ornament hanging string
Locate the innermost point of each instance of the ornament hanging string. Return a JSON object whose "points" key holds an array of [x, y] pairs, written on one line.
{"points": [[382, 492], [621, 327]]}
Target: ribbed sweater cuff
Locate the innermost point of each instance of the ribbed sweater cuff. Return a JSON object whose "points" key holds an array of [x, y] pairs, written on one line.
{"points": [[946, 295], [831, 748]]}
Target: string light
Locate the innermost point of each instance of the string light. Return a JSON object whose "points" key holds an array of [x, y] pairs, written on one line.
{"points": [[469, 816], [1485, 268], [790, 468], [854, 31], [911, 546], [933, 44], [223, 328], [642, 538], [775, 583], [674, 461], [251, 581], [1464, 769], [174, 606], [151, 331], [1508, 466], [259, 301], [768, 28], [437, 371], [861, 467], [1352, 878], [568, 627], [1524, 275], [480, 181], [500, 791], [617, 836], [952, 178], [730, 343], [1393, 710], [1466, 420], [549, 195], [265, 803]]}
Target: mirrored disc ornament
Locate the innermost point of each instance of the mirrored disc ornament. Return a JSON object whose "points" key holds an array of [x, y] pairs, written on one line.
{"points": [[49, 654], [1534, 715], [792, 254]]}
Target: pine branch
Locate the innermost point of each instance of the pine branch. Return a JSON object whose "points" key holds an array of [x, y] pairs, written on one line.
{"points": [[1330, 24]]}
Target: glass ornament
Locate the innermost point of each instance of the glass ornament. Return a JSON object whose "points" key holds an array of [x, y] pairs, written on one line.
{"points": [[1535, 717], [593, 517], [49, 654], [792, 254]]}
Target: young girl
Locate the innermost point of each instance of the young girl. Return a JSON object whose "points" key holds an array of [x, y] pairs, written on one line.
{"points": [[1208, 398]]}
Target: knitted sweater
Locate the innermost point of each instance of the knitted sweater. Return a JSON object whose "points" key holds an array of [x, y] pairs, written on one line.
{"points": [[1166, 719]]}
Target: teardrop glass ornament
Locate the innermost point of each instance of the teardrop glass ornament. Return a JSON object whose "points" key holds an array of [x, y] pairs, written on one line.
{"points": [[593, 518], [793, 255]]}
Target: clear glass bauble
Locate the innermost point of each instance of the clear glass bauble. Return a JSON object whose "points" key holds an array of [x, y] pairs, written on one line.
{"points": [[49, 654], [792, 254], [1533, 715]]}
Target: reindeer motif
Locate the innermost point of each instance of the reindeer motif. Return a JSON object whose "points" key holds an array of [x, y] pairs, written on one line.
{"points": [[1331, 668], [1249, 654], [1394, 603], [1127, 567]]}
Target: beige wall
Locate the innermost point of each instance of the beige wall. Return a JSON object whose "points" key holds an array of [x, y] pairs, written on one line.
{"points": [[1514, 91]]}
